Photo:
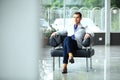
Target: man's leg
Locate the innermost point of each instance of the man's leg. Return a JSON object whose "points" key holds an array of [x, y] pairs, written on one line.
{"points": [[69, 48], [65, 57]]}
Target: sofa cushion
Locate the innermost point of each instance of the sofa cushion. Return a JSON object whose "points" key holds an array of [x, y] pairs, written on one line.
{"points": [[79, 53]]}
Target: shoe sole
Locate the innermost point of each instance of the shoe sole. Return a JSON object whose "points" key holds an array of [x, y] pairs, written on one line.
{"points": [[64, 71]]}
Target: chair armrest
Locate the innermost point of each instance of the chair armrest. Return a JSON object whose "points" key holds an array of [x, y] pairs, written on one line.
{"points": [[88, 42], [57, 40]]}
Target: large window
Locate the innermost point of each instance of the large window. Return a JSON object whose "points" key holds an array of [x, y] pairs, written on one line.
{"points": [[93, 9]]}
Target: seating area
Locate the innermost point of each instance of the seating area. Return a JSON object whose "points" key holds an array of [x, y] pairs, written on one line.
{"points": [[57, 51]]}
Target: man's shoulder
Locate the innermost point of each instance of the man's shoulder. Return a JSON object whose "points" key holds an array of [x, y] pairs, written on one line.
{"points": [[81, 26]]}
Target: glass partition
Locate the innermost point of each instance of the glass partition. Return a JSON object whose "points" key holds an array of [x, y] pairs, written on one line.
{"points": [[115, 19]]}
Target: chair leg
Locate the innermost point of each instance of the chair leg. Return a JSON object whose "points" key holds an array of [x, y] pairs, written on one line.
{"points": [[53, 63], [87, 64], [59, 62], [90, 62]]}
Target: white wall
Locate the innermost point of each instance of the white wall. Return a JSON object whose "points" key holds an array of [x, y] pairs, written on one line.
{"points": [[19, 39]]}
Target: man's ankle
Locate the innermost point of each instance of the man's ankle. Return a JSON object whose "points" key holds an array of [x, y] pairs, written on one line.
{"points": [[70, 55]]}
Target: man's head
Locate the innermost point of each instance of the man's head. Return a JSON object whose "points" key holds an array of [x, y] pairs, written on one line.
{"points": [[77, 17]]}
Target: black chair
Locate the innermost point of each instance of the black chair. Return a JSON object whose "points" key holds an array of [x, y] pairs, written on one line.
{"points": [[86, 52]]}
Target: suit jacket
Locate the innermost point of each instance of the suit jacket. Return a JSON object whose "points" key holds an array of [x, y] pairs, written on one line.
{"points": [[79, 33]]}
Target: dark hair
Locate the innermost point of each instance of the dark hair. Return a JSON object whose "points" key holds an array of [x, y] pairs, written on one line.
{"points": [[78, 14]]}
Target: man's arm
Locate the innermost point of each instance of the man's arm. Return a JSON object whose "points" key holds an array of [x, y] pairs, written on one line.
{"points": [[89, 33], [62, 32]]}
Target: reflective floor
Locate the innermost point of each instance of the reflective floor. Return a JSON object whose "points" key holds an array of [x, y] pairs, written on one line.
{"points": [[106, 66]]}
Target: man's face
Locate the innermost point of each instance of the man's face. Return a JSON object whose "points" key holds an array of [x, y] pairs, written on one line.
{"points": [[77, 18]]}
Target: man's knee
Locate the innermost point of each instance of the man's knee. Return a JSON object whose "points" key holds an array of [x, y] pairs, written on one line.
{"points": [[67, 39]]}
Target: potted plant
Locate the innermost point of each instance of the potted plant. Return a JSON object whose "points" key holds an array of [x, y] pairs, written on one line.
{"points": [[46, 34]]}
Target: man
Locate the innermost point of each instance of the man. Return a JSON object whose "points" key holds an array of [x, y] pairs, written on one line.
{"points": [[76, 34]]}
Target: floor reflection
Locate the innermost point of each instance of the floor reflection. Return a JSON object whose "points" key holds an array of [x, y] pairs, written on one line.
{"points": [[105, 66]]}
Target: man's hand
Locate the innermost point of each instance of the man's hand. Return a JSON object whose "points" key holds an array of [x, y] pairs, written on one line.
{"points": [[54, 34], [73, 37], [87, 35]]}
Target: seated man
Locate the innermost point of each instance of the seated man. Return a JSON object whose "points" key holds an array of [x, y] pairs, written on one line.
{"points": [[76, 34]]}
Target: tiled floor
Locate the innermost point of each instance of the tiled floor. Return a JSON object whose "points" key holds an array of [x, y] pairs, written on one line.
{"points": [[106, 66]]}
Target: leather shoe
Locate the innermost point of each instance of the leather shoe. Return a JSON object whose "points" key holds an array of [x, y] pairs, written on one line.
{"points": [[64, 71], [71, 60]]}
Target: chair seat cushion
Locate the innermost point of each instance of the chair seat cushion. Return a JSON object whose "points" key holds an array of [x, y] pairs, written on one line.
{"points": [[79, 53]]}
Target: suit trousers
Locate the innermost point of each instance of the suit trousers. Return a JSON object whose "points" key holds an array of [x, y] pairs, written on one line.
{"points": [[70, 46]]}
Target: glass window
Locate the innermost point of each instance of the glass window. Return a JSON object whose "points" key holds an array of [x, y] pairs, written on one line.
{"points": [[115, 19], [93, 9]]}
